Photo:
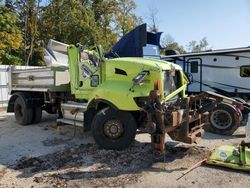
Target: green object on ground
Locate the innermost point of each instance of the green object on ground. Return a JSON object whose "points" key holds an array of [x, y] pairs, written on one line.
{"points": [[235, 157]]}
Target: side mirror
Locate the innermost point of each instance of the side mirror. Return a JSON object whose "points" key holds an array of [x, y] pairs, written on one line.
{"points": [[94, 81]]}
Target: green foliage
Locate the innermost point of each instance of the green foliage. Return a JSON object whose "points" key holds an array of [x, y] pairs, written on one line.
{"points": [[29, 13], [126, 20], [202, 45], [88, 22], [69, 22], [37, 57], [10, 37], [104, 14], [27, 25], [9, 59]]}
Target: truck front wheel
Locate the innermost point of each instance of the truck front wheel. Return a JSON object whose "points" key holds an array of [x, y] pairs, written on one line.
{"points": [[23, 113], [113, 129], [223, 120]]}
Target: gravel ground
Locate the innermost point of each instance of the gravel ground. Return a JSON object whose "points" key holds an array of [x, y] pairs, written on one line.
{"points": [[44, 155]]}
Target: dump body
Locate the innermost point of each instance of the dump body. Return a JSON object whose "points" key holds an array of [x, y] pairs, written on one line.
{"points": [[42, 79]]}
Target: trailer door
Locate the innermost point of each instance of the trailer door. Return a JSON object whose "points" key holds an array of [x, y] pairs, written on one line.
{"points": [[194, 67]]}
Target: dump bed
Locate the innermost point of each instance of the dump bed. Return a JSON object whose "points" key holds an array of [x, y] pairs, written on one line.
{"points": [[42, 79]]}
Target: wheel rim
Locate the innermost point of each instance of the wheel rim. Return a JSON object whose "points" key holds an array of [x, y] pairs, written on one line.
{"points": [[19, 110], [113, 128], [221, 119]]}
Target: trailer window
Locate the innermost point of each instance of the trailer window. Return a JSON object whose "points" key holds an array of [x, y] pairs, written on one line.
{"points": [[245, 71], [194, 66]]}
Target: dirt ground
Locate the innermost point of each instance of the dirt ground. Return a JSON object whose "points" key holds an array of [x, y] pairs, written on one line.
{"points": [[44, 155]]}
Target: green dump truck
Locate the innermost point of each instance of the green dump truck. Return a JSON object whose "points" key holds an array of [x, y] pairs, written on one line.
{"points": [[113, 98]]}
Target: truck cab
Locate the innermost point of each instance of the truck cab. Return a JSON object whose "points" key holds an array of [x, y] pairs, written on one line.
{"points": [[121, 81]]}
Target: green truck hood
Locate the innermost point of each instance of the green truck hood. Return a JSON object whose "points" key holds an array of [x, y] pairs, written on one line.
{"points": [[145, 63]]}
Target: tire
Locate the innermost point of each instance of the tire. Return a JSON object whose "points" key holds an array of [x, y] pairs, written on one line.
{"points": [[121, 123], [23, 113], [244, 115], [245, 118], [223, 120], [88, 118], [37, 114]]}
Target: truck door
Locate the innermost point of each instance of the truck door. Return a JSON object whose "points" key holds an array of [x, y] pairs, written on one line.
{"points": [[89, 72], [194, 67], [84, 72]]}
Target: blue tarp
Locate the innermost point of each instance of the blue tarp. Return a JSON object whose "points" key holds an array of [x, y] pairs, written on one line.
{"points": [[131, 44]]}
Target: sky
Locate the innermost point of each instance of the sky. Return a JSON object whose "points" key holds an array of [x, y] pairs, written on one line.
{"points": [[225, 23]]}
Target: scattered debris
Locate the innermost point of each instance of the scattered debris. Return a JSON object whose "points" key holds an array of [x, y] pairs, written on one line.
{"points": [[192, 167], [92, 166], [38, 179], [2, 172], [74, 165], [55, 141], [33, 162]]}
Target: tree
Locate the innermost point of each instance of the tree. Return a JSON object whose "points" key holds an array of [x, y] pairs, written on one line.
{"points": [[166, 40], [153, 25], [88, 22], [10, 5], [114, 18], [69, 22], [202, 45], [10, 36], [104, 14], [168, 43], [29, 12], [126, 20]]}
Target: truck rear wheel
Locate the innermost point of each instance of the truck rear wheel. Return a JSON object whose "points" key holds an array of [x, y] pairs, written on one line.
{"points": [[37, 114], [223, 120], [113, 129], [23, 113]]}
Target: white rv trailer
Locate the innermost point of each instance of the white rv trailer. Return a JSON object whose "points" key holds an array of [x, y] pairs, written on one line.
{"points": [[222, 71], [226, 72]]}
